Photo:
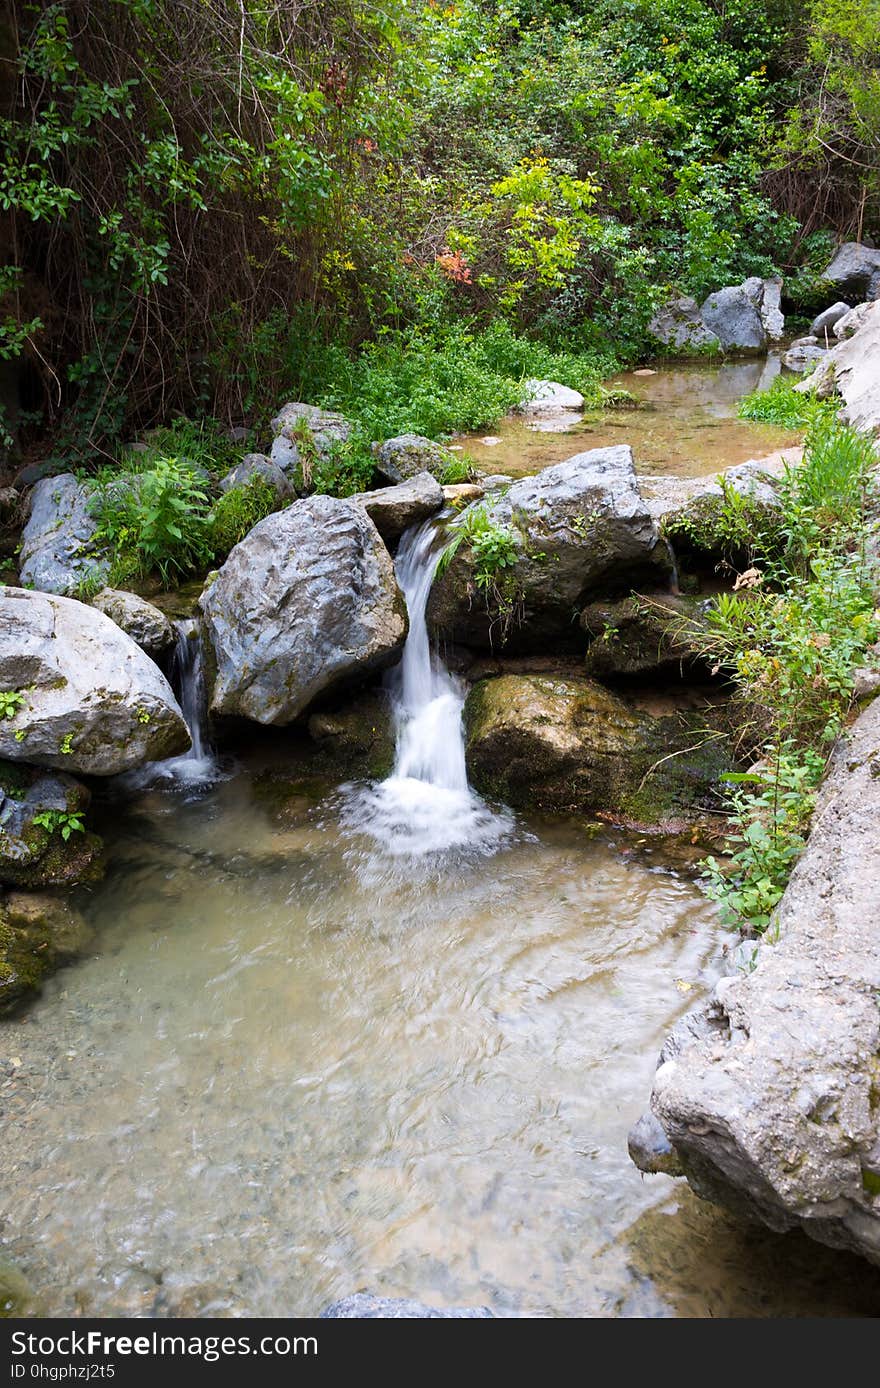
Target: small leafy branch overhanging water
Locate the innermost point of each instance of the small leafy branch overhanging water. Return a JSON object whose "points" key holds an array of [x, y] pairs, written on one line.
{"points": [[791, 643]]}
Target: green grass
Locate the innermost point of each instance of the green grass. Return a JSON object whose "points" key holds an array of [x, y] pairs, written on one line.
{"points": [[782, 405], [442, 380]]}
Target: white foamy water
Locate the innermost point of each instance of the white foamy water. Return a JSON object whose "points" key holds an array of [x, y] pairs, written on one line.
{"points": [[198, 766], [425, 806]]}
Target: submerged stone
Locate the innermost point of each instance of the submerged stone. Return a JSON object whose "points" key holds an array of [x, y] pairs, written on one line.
{"points": [[366, 1306]]}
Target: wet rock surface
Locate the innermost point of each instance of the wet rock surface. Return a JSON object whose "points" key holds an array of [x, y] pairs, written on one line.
{"points": [[88, 699], [307, 601], [575, 527], [768, 1094], [38, 933], [569, 744], [642, 633], [34, 808]]}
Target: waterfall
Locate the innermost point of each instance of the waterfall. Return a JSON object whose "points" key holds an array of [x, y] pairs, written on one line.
{"points": [[426, 805], [188, 681]]}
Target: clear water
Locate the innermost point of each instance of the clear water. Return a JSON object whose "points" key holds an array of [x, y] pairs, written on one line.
{"points": [[685, 425], [385, 1037], [284, 1075]]}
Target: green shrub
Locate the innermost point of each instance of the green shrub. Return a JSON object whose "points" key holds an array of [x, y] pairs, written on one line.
{"points": [[153, 521], [456, 471], [791, 643], [236, 513]]}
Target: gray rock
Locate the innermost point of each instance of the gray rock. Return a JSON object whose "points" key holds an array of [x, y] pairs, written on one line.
{"points": [[36, 472], [650, 1148], [687, 509], [803, 353], [768, 1094], [770, 309], [58, 542], [679, 324], [549, 397], [92, 701], [394, 509], [575, 528], [307, 601], [239, 434], [854, 272], [258, 465], [365, 1306], [850, 323], [822, 325], [31, 854], [733, 316], [404, 457], [326, 429], [145, 624], [852, 370]]}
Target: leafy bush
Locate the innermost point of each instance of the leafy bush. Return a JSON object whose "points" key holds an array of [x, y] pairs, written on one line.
{"points": [[236, 513], [791, 643], [61, 822], [153, 521], [771, 819]]}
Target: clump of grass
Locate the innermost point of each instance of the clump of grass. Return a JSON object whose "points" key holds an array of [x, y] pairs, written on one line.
{"points": [[786, 407]]}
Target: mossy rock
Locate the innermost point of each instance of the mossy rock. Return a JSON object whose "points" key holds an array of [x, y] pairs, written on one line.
{"points": [[358, 737], [32, 854], [39, 932], [638, 634], [15, 1292], [570, 745]]}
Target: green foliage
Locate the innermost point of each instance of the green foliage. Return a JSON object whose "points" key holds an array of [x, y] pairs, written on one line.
{"points": [[791, 644], [11, 701], [236, 513], [494, 549], [782, 405], [153, 521], [770, 813], [60, 822], [456, 471], [453, 377]]}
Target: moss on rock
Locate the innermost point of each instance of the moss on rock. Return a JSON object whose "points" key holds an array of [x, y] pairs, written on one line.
{"points": [[38, 932], [565, 745]]}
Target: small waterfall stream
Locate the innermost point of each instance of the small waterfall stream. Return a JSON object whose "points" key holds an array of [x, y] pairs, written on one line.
{"points": [[426, 805], [188, 681]]}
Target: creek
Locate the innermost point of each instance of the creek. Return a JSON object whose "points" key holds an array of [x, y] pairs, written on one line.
{"points": [[376, 1035]]}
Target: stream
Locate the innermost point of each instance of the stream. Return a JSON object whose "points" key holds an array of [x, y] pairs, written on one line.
{"points": [[380, 1036]]}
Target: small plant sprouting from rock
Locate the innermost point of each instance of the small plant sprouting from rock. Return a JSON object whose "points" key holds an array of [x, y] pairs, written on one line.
{"points": [[61, 822], [495, 548], [11, 701]]}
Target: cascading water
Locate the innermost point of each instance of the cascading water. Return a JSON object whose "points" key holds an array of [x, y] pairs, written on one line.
{"points": [[188, 680], [426, 805]]}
